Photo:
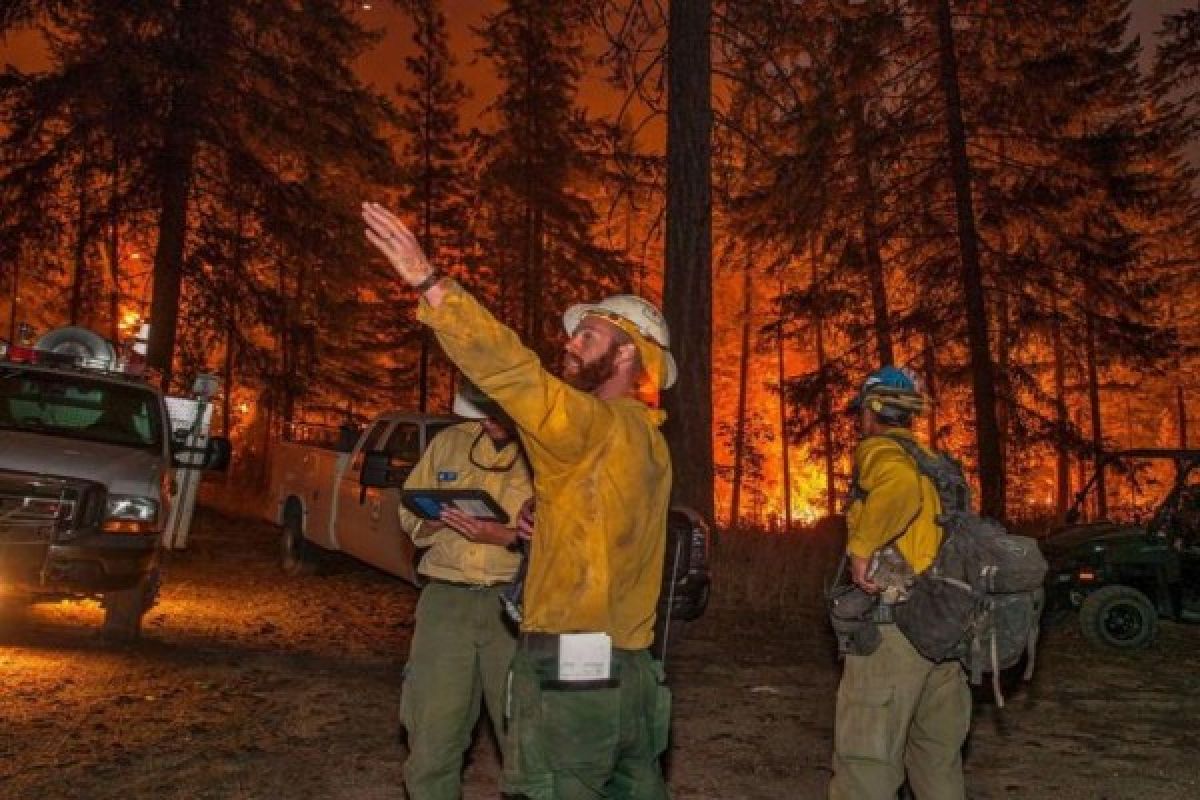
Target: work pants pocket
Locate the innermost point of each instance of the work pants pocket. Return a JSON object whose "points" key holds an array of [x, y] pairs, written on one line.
{"points": [[865, 727]]}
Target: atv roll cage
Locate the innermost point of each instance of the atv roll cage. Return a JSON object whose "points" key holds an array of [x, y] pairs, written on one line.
{"points": [[1185, 460]]}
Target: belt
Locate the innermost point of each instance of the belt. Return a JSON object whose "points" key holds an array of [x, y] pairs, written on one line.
{"points": [[477, 587], [537, 643]]}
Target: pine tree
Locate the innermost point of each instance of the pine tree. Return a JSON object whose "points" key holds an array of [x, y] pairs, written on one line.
{"points": [[217, 89], [433, 174], [539, 224]]}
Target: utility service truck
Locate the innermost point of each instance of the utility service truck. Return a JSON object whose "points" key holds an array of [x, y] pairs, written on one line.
{"points": [[97, 474], [339, 489]]}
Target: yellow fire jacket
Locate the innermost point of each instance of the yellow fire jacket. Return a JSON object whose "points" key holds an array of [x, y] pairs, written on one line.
{"points": [[452, 462], [899, 501], [602, 482]]}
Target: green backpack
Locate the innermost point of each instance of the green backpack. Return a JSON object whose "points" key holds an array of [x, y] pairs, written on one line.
{"points": [[981, 600]]}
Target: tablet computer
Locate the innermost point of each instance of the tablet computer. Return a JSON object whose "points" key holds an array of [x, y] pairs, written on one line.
{"points": [[428, 503]]}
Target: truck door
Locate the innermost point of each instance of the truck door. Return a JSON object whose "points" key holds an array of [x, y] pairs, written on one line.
{"points": [[351, 516], [382, 543]]}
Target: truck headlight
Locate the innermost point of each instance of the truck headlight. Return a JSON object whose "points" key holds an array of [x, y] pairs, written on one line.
{"points": [[129, 513]]}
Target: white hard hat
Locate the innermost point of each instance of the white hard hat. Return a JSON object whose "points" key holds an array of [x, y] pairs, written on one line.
{"points": [[642, 314], [471, 403], [464, 408]]}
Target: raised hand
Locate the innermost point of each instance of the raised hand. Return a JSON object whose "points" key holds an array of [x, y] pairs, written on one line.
{"points": [[397, 244]]}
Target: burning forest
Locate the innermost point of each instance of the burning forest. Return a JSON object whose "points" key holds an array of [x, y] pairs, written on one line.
{"points": [[998, 196]]}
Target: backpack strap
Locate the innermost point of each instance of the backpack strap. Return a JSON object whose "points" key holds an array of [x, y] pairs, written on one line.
{"points": [[954, 494], [856, 491]]}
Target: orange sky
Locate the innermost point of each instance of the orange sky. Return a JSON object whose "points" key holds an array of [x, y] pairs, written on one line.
{"points": [[383, 66]]}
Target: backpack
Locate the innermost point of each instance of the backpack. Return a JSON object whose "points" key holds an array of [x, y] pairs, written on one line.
{"points": [[980, 602]]}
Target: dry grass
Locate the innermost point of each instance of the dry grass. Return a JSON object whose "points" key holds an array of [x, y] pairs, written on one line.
{"points": [[776, 575]]}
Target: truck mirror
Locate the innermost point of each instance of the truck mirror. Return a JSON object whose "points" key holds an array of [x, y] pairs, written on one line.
{"points": [[215, 455], [378, 471], [218, 451]]}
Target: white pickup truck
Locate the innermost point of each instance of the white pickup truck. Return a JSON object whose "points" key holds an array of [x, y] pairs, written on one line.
{"points": [[97, 474], [320, 498], [338, 490]]}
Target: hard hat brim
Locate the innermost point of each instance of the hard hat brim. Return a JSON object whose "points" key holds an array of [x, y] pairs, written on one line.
{"points": [[466, 409]]}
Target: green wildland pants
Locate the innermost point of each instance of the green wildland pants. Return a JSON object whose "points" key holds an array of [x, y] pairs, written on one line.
{"points": [[461, 650], [587, 743], [899, 713]]}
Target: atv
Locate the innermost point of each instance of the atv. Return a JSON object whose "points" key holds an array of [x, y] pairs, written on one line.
{"points": [[1122, 577]]}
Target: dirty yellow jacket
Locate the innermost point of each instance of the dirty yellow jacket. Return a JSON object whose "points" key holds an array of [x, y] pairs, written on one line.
{"points": [[899, 501], [602, 482], [447, 464]]}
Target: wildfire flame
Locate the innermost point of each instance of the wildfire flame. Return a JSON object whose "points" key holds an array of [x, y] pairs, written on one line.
{"points": [[130, 321]]}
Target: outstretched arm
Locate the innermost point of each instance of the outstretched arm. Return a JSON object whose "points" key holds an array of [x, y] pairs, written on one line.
{"points": [[555, 419]]}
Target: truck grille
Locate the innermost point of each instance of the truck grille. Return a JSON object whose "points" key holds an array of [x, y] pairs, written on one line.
{"points": [[34, 511]]}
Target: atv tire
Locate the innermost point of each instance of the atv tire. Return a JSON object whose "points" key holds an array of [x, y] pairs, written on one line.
{"points": [[297, 555], [1118, 617]]}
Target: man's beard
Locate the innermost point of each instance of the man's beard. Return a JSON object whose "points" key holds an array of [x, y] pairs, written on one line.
{"points": [[592, 375]]}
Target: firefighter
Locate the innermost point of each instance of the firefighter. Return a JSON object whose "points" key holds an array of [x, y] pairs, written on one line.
{"points": [[461, 646], [897, 712], [588, 708]]}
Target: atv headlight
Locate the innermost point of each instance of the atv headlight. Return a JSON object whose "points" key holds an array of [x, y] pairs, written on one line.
{"points": [[130, 513]]}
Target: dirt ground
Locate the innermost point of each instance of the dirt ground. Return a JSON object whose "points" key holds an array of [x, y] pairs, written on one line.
{"points": [[249, 684]]}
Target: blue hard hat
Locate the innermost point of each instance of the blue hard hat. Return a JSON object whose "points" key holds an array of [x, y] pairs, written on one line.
{"points": [[888, 379]]}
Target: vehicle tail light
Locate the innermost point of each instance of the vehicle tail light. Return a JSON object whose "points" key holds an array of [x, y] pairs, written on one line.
{"points": [[1085, 575]]}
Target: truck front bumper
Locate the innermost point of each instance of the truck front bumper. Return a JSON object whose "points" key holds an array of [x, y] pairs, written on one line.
{"points": [[90, 564]]}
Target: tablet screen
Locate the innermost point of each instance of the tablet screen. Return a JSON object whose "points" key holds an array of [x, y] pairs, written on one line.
{"points": [[429, 503]]}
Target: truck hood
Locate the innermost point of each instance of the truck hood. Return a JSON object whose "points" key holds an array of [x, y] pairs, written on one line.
{"points": [[124, 470], [1070, 538]]}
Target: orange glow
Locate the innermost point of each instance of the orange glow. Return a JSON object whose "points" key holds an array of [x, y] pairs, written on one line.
{"points": [[131, 320]]}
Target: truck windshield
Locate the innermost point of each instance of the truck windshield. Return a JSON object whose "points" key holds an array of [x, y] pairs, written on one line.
{"points": [[79, 407]]}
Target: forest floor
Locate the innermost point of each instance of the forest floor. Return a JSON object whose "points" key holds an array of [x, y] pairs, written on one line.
{"points": [[252, 685]]}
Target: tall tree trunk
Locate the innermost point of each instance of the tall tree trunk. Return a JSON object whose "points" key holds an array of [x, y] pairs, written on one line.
{"points": [[983, 379], [1003, 386], [527, 296], [427, 244], [80, 280], [785, 439], [1093, 370], [1081, 476], [739, 433], [931, 385], [868, 196], [14, 302], [114, 242], [227, 374], [826, 402], [1181, 407], [237, 268], [176, 172], [1062, 457], [168, 256], [687, 293], [541, 282]]}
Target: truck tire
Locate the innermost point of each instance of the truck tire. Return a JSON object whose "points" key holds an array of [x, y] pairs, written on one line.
{"points": [[297, 555], [1119, 617], [124, 608]]}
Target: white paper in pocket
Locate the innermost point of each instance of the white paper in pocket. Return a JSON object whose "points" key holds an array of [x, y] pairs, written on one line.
{"points": [[584, 657]]}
